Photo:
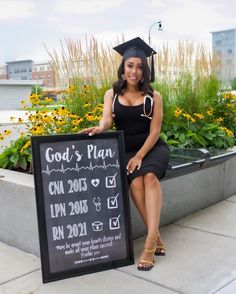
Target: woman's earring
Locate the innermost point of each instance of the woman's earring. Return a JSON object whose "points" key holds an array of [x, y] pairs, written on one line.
{"points": [[123, 77], [142, 80]]}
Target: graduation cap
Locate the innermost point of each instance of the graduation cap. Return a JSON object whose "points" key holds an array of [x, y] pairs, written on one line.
{"points": [[137, 48]]}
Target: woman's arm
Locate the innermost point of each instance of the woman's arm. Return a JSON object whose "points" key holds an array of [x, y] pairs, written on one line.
{"points": [[106, 121], [154, 134]]}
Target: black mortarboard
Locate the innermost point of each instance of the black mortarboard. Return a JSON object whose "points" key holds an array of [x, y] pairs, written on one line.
{"points": [[137, 48]]}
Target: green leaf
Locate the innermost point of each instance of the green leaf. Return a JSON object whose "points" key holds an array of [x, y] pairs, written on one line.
{"points": [[14, 158], [219, 143], [208, 135], [4, 162], [182, 138], [172, 142], [22, 163], [231, 141]]}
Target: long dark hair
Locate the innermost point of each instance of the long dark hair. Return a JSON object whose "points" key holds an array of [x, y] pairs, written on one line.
{"points": [[120, 85]]}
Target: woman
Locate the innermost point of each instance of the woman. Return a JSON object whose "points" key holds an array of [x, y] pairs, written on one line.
{"points": [[137, 110]]}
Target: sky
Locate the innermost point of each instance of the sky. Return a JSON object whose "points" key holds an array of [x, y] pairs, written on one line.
{"points": [[28, 27]]}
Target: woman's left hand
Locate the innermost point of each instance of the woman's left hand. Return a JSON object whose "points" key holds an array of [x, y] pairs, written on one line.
{"points": [[134, 162]]}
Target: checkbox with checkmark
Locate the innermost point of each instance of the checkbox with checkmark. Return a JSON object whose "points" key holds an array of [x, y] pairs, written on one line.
{"points": [[111, 181], [114, 223], [112, 202]]}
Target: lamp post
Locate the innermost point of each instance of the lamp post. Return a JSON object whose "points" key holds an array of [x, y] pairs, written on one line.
{"points": [[149, 32]]}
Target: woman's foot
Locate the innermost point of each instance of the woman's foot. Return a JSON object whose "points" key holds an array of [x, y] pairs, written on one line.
{"points": [[146, 260], [160, 247]]}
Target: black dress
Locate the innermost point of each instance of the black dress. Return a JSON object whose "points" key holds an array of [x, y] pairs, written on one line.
{"points": [[135, 122]]}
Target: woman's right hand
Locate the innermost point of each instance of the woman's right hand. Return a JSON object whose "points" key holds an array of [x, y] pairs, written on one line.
{"points": [[92, 131]]}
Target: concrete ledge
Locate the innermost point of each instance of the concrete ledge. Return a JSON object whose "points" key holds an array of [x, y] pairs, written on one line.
{"points": [[182, 196]]}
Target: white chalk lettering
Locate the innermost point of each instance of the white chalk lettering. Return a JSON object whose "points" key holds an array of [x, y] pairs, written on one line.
{"points": [[56, 188], [58, 210], [78, 207], [58, 233], [76, 230], [77, 185], [51, 156], [95, 153], [79, 156]]}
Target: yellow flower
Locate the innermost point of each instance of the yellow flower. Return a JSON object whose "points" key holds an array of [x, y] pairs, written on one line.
{"points": [[1, 138], [7, 132], [228, 132], [20, 120], [210, 111], [47, 99], [89, 117], [61, 122], [186, 115], [71, 89], [199, 115], [58, 130], [62, 111], [27, 144], [219, 120], [73, 116], [12, 118], [47, 119], [77, 121], [87, 105], [34, 98], [177, 112], [74, 129], [37, 130]]}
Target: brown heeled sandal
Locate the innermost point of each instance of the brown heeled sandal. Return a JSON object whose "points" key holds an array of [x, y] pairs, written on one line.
{"points": [[160, 248], [146, 264]]}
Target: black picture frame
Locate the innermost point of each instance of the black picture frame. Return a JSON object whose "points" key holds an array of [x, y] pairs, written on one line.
{"points": [[54, 171]]}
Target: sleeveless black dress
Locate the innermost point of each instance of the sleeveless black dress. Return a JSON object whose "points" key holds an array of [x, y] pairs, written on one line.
{"points": [[135, 122]]}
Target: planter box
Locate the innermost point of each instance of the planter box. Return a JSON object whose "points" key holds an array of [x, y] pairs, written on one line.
{"points": [[182, 195]]}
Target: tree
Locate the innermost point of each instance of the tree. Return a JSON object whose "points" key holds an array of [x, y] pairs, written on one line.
{"points": [[37, 89]]}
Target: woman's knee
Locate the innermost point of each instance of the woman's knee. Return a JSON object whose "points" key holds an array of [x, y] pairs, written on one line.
{"points": [[137, 183], [150, 179]]}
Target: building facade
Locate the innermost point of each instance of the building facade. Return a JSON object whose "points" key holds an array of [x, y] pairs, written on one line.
{"points": [[44, 74], [28, 70], [19, 70], [224, 50], [3, 72]]}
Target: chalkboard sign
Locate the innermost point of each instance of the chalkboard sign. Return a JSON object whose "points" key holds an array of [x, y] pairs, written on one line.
{"points": [[82, 204]]}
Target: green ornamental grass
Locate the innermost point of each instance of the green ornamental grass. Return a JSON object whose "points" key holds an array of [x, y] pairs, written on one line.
{"points": [[197, 113]]}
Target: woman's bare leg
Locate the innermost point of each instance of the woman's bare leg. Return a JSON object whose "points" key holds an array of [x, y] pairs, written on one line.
{"points": [[147, 196], [137, 191]]}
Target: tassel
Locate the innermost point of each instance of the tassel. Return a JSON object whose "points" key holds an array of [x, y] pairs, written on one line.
{"points": [[152, 69]]}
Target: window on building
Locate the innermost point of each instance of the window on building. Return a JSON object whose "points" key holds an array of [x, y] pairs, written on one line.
{"points": [[229, 51], [218, 42]]}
